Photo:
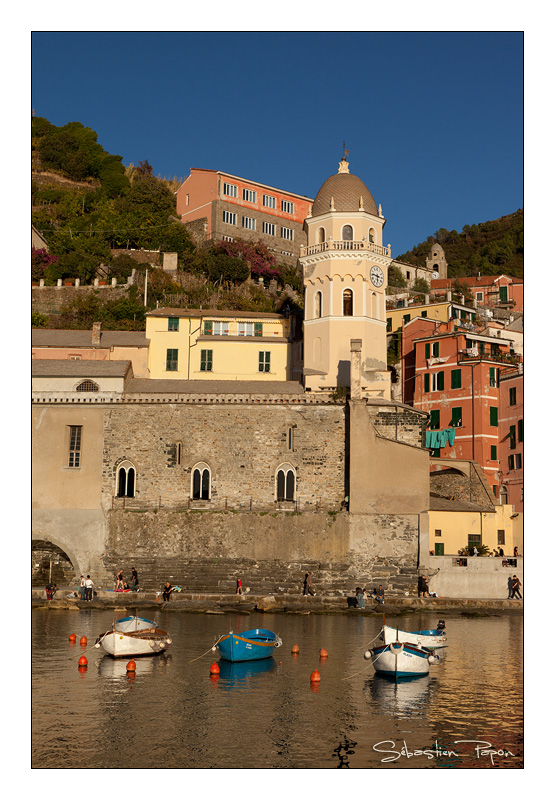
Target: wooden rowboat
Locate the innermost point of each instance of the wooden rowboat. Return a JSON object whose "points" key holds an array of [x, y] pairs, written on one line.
{"points": [[134, 636], [248, 646], [401, 660], [432, 639]]}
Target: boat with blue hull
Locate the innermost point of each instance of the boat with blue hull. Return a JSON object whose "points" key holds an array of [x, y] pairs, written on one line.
{"points": [[248, 646], [401, 659]]}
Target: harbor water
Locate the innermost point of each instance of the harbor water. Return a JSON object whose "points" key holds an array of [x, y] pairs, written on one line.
{"points": [[172, 713]]}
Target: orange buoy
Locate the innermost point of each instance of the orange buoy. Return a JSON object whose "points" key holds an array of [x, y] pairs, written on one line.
{"points": [[83, 641], [82, 669], [295, 648], [131, 666], [214, 669], [315, 677], [323, 653], [72, 637], [214, 678], [83, 661]]}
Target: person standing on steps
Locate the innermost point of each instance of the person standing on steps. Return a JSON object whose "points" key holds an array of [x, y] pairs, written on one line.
{"points": [[134, 580], [307, 586], [89, 585]]}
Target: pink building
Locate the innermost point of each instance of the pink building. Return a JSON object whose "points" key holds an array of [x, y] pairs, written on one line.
{"points": [[487, 290], [218, 206]]}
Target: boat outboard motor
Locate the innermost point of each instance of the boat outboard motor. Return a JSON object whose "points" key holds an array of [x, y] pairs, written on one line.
{"points": [[441, 625]]}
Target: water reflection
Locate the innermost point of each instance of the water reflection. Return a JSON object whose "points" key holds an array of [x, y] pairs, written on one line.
{"points": [[404, 696], [237, 673]]}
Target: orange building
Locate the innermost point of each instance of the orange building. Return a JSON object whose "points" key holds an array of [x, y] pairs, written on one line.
{"points": [[454, 374], [511, 439], [488, 290], [218, 206]]}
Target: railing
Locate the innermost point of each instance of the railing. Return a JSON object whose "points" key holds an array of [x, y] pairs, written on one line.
{"points": [[223, 504], [323, 247], [503, 358]]}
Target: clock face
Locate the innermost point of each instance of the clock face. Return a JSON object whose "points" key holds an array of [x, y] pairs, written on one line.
{"points": [[376, 276]]}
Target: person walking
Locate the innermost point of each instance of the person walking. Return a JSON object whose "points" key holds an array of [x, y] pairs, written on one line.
{"points": [[509, 588], [239, 587], [89, 586], [307, 586], [119, 581], [516, 588]]}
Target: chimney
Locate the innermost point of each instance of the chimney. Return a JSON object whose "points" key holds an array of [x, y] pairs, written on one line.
{"points": [[356, 369], [96, 333]]}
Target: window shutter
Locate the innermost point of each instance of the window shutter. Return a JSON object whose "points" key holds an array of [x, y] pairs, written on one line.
{"points": [[440, 381], [456, 416], [521, 430], [456, 381], [435, 349], [426, 381], [434, 419], [512, 437], [208, 328], [493, 416], [258, 329], [427, 347], [493, 453]]}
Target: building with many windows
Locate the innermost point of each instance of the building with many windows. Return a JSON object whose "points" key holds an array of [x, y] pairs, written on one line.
{"points": [[218, 206], [499, 291], [511, 436]]}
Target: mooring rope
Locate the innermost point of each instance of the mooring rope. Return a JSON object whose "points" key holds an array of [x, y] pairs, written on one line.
{"points": [[211, 648], [368, 665]]}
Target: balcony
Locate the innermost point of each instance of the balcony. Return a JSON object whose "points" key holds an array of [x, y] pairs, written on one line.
{"points": [[332, 245], [473, 354]]}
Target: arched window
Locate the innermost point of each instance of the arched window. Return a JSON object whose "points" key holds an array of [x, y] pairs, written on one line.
{"points": [[285, 483], [200, 482], [317, 305], [347, 233], [321, 236], [125, 480], [348, 303], [87, 386], [371, 235]]}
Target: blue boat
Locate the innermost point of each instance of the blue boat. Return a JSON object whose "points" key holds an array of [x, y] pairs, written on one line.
{"points": [[248, 646]]}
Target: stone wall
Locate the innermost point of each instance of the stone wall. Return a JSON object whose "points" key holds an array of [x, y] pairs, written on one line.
{"points": [[51, 299], [400, 424], [454, 485]]}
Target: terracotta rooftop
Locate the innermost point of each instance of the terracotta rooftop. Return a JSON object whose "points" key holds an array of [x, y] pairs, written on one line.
{"points": [[196, 313], [42, 337], [55, 368]]}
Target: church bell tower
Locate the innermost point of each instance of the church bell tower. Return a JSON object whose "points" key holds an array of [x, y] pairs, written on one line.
{"points": [[345, 277]]}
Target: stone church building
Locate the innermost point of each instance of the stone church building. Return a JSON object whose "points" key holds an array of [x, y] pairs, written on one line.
{"points": [[198, 481]]}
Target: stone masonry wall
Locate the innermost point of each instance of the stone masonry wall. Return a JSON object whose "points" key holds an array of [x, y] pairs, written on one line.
{"points": [[242, 445], [51, 299], [452, 485], [399, 424]]}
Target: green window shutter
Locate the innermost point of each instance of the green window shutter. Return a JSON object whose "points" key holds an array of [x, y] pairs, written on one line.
{"points": [[427, 348], [512, 437], [208, 328], [492, 376], [389, 324], [424, 314], [456, 417], [435, 349], [493, 416], [456, 379], [173, 323], [440, 381], [503, 296], [493, 453], [171, 360], [206, 360], [511, 462], [406, 318], [434, 419], [521, 430], [258, 329], [426, 381], [263, 361], [438, 548]]}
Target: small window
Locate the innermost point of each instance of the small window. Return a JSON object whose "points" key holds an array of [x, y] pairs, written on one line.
{"points": [[493, 416], [268, 201], [258, 329], [287, 207], [290, 437], [74, 446], [201, 482], [348, 303], [503, 294], [287, 233], [518, 461], [285, 484], [501, 536], [230, 190], [171, 360], [439, 548], [512, 396], [493, 452], [424, 314], [435, 381], [456, 417], [318, 305], [434, 419], [126, 480], [511, 463], [520, 430], [173, 323], [479, 296], [389, 325], [87, 386], [229, 218], [206, 360], [347, 233], [269, 228], [249, 223], [245, 329], [474, 539], [512, 437], [435, 349], [406, 318], [427, 350], [249, 196], [264, 361], [437, 532], [493, 376]]}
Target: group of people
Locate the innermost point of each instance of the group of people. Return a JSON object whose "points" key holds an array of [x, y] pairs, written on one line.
{"points": [[123, 586], [361, 595], [86, 588]]}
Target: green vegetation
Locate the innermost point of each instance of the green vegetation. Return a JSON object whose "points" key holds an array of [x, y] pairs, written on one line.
{"points": [[491, 248]]}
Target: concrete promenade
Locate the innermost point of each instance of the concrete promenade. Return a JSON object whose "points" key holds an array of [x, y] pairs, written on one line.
{"points": [[141, 602]]}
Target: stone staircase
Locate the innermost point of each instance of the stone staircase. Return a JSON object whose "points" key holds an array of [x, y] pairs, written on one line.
{"points": [[259, 577]]}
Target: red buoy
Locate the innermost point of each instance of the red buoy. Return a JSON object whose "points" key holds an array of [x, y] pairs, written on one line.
{"points": [[323, 653], [295, 648], [315, 677], [72, 637], [83, 661], [83, 641], [214, 669], [131, 666]]}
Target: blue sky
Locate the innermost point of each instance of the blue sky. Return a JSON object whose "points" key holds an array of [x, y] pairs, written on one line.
{"points": [[433, 121]]}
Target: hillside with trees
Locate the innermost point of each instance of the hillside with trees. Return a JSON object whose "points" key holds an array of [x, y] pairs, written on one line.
{"points": [[87, 204], [491, 248]]}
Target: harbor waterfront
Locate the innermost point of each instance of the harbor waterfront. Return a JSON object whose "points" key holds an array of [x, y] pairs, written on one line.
{"points": [[171, 712]]}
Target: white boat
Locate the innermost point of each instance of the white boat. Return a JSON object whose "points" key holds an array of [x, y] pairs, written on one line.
{"points": [[401, 660], [432, 639], [131, 636]]}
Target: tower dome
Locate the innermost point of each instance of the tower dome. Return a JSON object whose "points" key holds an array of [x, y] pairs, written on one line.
{"points": [[343, 192]]}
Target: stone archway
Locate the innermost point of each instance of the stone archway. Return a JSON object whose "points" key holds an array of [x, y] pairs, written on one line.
{"points": [[49, 562]]}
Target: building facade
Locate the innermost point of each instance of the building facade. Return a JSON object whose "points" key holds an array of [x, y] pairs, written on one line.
{"points": [[511, 436], [218, 206]]}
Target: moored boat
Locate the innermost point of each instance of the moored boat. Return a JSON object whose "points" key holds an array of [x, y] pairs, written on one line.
{"points": [[401, 659], [248, 646], [131, 636], [432, 639]]}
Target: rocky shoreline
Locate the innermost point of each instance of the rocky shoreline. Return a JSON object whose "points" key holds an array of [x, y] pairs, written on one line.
{"points": [[295, 604]]}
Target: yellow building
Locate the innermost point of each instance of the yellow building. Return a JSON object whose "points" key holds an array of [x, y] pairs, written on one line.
{"points": [[220, 345], [454, 525], [441, 312]]}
